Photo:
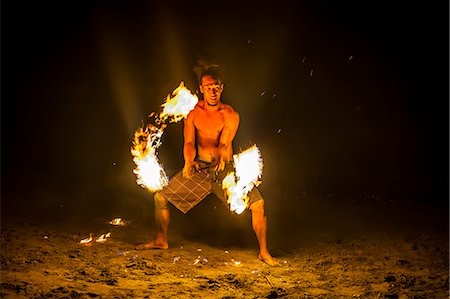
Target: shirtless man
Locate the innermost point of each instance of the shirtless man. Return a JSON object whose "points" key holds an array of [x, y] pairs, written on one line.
{"points": [[209, 130]]}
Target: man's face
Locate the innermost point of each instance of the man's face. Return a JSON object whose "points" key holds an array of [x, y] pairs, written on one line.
{"points": [[211, 90]]}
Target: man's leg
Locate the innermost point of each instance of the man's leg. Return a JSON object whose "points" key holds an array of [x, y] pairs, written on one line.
{"points": [[259, 223], [162, 219]]}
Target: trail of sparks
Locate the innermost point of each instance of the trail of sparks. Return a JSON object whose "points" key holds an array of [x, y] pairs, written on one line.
{"points": [[149, 172]]}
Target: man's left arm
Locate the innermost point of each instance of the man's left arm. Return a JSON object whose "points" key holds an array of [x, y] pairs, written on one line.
{"points": [[226, 138]]}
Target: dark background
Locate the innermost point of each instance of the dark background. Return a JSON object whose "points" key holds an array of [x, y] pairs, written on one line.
{"points": [[347, 101]]}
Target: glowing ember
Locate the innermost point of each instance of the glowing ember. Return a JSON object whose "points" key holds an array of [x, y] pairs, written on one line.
{"points": [[150, 174], [117, 221], [103, 238], [197, 260], [176, 259], [87, 240], [248, 165]]}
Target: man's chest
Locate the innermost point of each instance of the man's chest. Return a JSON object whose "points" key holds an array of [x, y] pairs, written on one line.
{"points": [[209, 122]]}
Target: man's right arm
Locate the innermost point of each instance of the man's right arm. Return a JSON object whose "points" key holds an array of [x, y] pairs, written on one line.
{"points": [[189, 151]]}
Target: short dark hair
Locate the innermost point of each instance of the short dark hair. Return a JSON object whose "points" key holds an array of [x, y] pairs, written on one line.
{"points": [[214, 71]]}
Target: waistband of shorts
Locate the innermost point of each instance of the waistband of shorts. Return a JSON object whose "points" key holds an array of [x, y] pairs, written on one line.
{"points": [[202, 161], [209, 163]]}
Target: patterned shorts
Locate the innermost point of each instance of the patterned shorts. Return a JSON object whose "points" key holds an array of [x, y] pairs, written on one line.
{"points": [[186, 193]]}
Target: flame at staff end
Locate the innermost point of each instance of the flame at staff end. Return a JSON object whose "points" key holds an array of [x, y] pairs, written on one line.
{"points": [[248, 166]]}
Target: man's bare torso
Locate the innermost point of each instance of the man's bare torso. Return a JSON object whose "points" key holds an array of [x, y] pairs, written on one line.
{"points": [[209, 126]]}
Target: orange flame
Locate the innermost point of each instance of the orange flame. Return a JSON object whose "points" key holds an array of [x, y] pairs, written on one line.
{"points": [[248, 165], [87, 240], [117, 221], [103, 238], [178, 104], [150, 174]]}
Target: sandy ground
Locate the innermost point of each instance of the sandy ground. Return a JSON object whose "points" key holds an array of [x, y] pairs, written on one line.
{"points": [[48, 261]]}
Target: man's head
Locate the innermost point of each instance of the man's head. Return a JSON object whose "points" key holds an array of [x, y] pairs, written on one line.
{"points": [[211, 85]]}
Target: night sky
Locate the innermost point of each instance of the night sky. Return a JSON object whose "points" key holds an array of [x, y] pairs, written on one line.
{"points": [[346, 100]]}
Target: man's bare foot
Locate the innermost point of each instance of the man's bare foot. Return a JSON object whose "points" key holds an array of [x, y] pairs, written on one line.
{"points": [[268, 259], [152, 245]]}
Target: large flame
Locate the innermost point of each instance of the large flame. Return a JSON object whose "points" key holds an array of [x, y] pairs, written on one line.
{"points": [[178, 104], [248, 166], [149, 172]]}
